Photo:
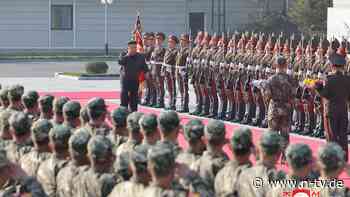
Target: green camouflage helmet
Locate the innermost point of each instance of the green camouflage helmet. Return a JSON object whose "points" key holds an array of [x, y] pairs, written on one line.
{"points": [[20, 123], [162, 159], [71, 109], [331, 157], [46, 103], [60, 135], [214, 130], [298, 156], [100, 147], [3, 158], [15, 92], [242, 139], [30, 99], [4, 121], [133, 122], [149, 123], [78, 142], [119, 116], [58, 104], [168, 121], [41, 130], [270, 142], [194, 130]]}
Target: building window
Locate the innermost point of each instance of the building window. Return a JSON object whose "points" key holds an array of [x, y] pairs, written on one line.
{"points": [[61, 17]]}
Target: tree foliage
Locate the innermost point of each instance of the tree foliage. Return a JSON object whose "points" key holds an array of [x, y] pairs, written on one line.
{"points": [[310, 16]]}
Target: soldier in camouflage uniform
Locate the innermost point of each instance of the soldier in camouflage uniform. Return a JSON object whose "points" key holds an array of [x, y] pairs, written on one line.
{"points": [[5, 134], [49, 169], [134, 134], [140, 177], [15, 182], [30, 102], [66, 177], [168, 70], [148, 40], [97, 111], [57, 109], [331, 160], [99, 179], [21, 143], [149, 130], [228, 178], [194, 72], [46, 107], [182, 61], [299, 158], [269, 153], [157, 59], [119, 132], [161, 165], [169, 126], [40, 136], [71, 114], [214, 158], [280, 90], [4, 99], [193, 132], [203, 75], [15, 93]]}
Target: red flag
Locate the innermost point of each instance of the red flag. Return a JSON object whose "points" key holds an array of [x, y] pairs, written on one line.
{"points": [[139, 44]]}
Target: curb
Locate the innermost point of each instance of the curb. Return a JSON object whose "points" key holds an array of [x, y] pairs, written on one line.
{"points": [[60, 75]]}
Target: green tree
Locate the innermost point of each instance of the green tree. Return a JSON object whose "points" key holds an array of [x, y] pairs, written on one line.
{"points": [[310, 16]]}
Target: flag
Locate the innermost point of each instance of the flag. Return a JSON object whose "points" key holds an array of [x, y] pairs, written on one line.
{"points": [[137, 35]]}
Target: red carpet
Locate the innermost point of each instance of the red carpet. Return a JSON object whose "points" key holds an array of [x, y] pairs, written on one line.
{"points": [[312, 142]]}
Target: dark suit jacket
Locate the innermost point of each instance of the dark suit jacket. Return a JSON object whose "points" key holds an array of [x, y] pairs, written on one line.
{"points": [[336, 92]]}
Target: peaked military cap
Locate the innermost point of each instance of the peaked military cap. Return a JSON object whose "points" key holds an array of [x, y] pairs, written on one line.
{"points": [[160, 35], [173, 38]]}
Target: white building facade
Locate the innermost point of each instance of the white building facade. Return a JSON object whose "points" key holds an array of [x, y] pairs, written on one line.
{"points": [[80, 24]]}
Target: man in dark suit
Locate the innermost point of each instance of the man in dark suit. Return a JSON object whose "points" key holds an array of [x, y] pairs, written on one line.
{"points": [[132, 63], [335, 92]]}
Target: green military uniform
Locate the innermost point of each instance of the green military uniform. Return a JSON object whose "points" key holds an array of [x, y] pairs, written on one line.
{"points": [[66, 177], [71, 112], [212, 162], [94, 183], [134, 187], [193, 131], [49, 169], [270, 144], [299, 156], [21, 124], [119, 133], [162, 160], [228, 178], [133, 127], [97, 106], [40, 134]]}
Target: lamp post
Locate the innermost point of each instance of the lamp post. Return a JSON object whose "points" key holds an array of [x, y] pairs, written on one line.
{"points": [[106, 3]]}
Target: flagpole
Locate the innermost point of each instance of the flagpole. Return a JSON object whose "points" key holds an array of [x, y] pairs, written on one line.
{"points": [[106, 28]]}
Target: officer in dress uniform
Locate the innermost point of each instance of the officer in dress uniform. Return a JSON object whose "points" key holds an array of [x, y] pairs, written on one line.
{"points": [[336, 92], [220, 78], [182, 71], [150, 84], [169, 70], [157, 59], [203, 75]]}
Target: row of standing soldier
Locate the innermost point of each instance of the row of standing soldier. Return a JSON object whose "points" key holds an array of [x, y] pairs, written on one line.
{"points": [[221, 71]]}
